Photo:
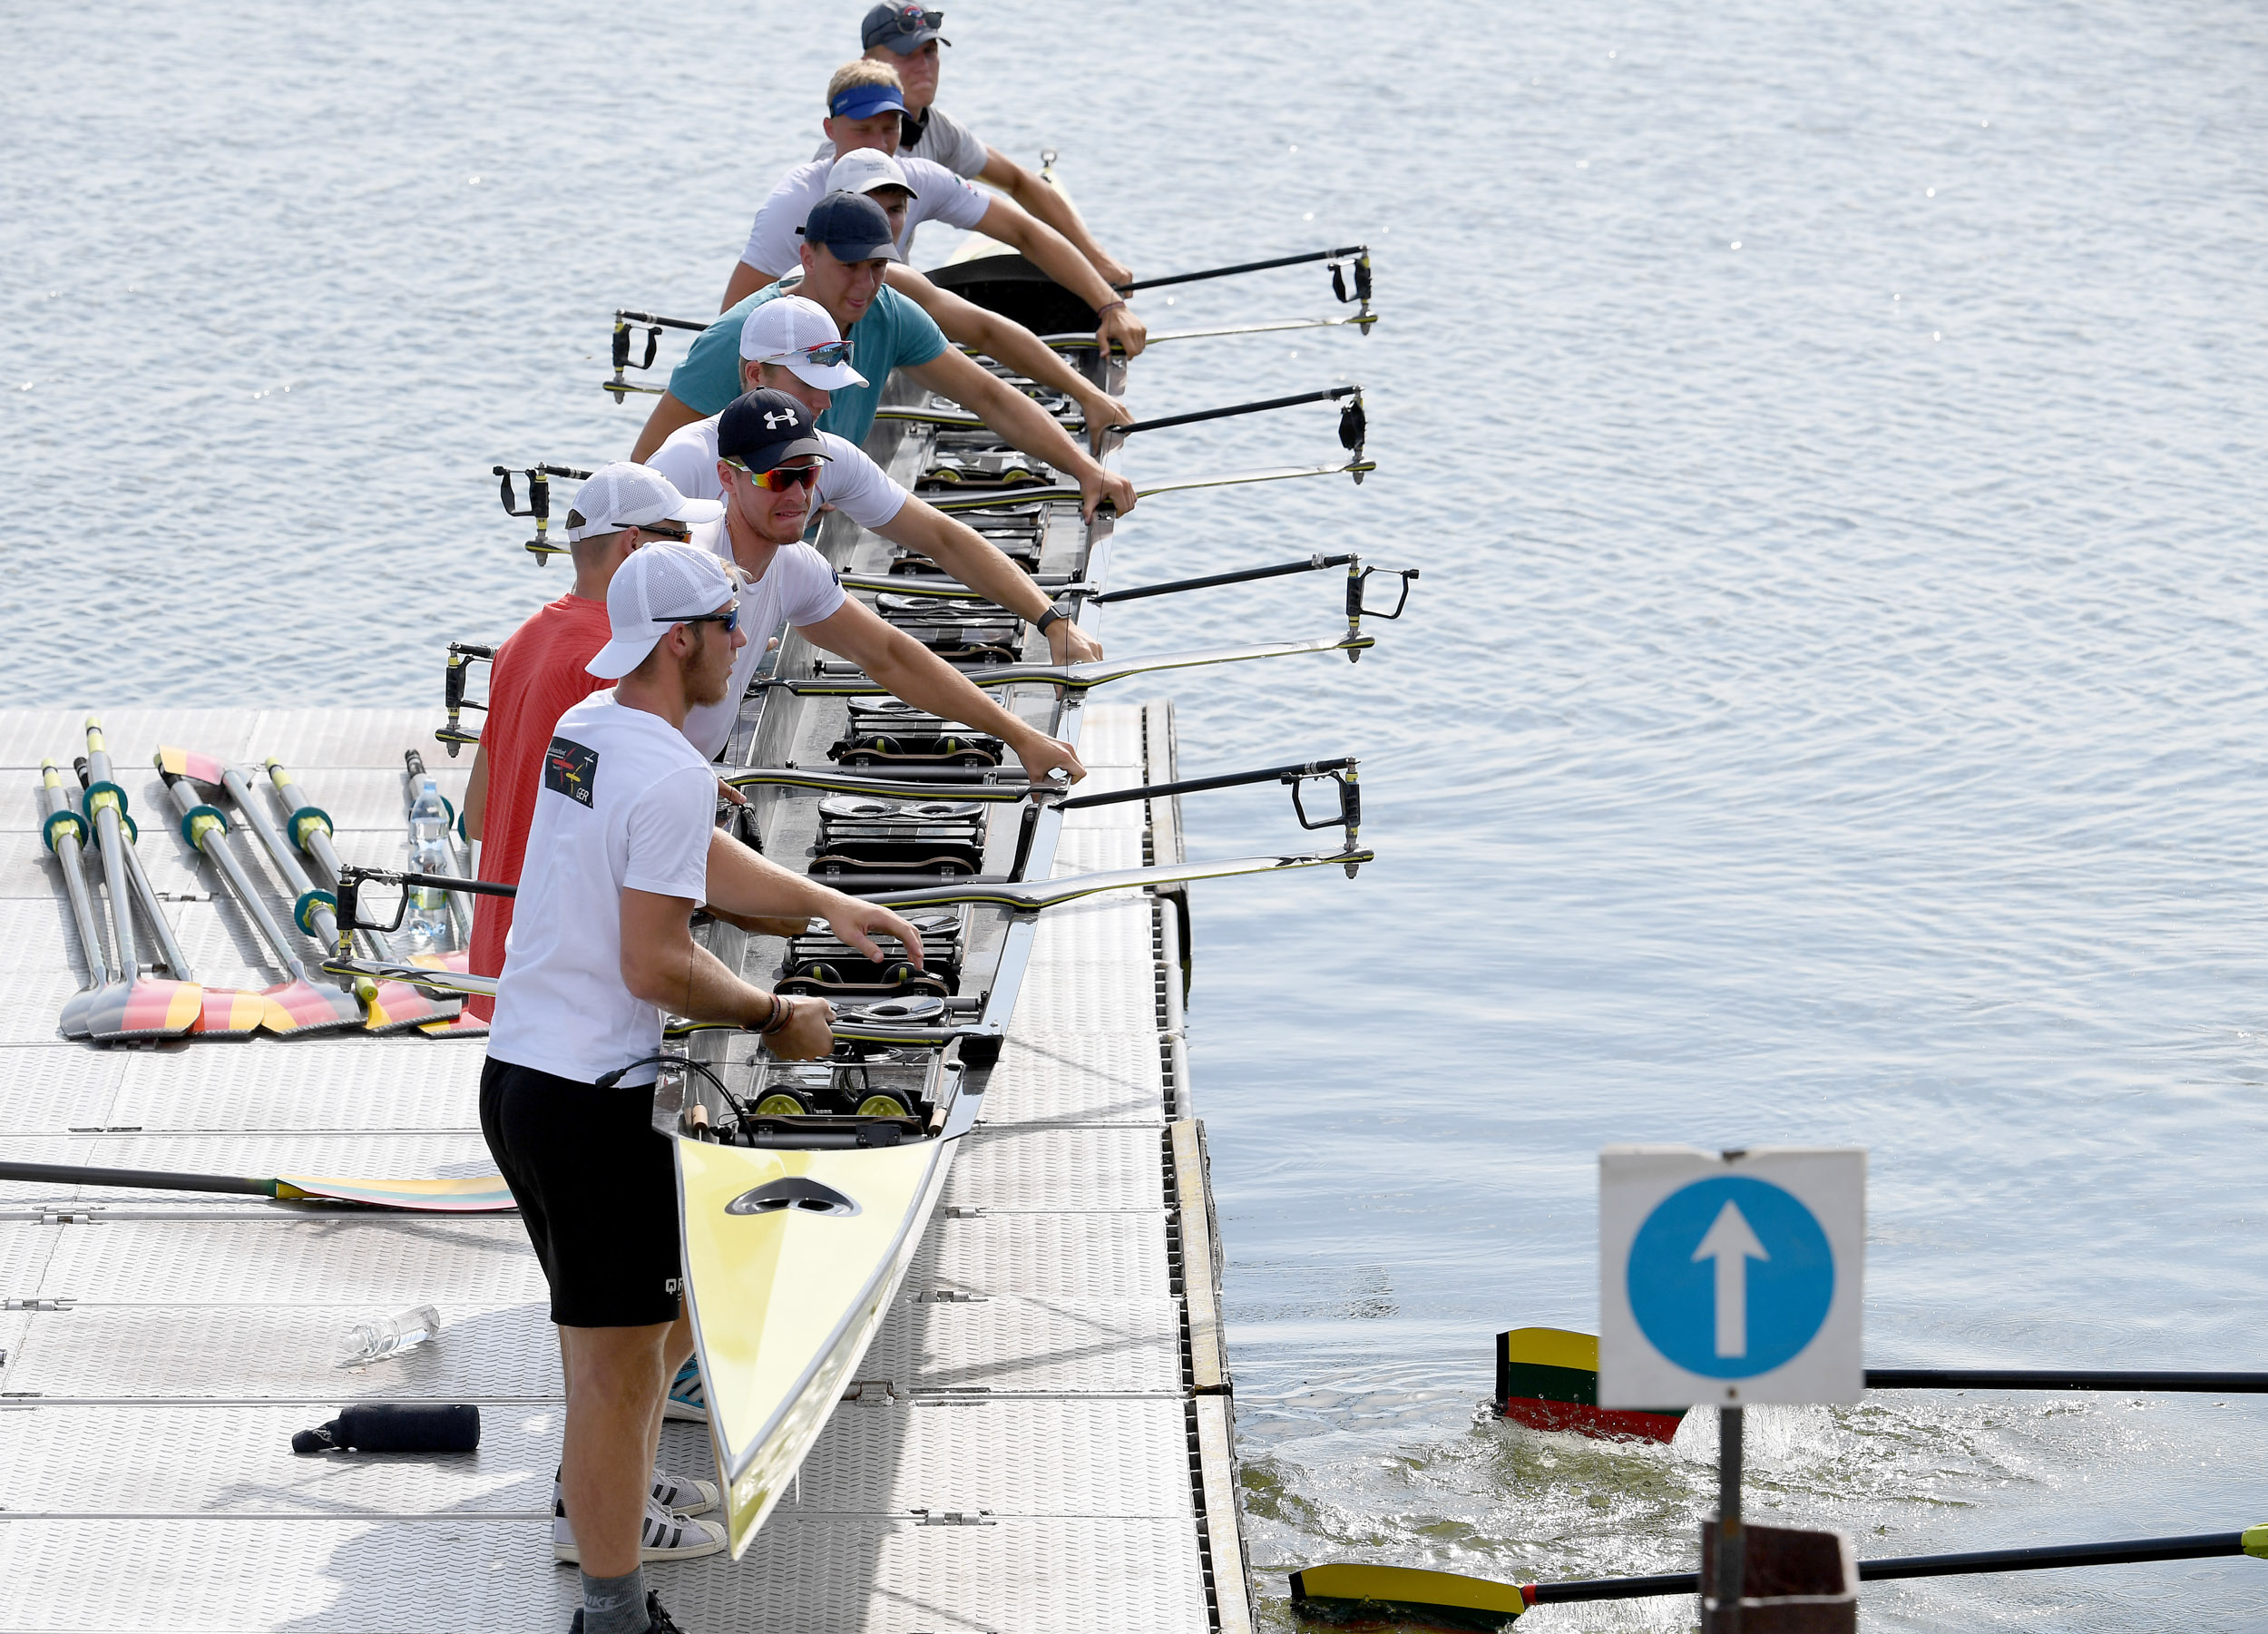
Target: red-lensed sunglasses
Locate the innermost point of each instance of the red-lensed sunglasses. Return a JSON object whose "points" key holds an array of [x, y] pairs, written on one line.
{"points": [[780, 478]]}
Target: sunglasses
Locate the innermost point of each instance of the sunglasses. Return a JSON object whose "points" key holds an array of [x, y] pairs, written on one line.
{"points": [[780, 479], [910, 19], [731, 619], [677, 532], [827, 355]]}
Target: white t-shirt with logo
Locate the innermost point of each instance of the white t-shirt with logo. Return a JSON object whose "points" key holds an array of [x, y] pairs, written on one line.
{"points": [[774, 242], [798, 588], [849, 481], [626, 803], [943, 141]]}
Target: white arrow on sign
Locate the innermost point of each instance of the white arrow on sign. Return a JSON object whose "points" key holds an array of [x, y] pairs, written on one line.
{"points": [[1732, 1245]]}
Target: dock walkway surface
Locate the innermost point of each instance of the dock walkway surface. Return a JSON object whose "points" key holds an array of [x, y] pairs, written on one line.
{"points": [[1039, 1438]]}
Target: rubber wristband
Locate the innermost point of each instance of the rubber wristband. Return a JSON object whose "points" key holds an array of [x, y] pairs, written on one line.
{"points": [[783, 1012], [1113, 306]]}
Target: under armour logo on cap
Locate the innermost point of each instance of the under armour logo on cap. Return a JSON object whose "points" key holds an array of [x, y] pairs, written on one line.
{"points": [[772, 422]]}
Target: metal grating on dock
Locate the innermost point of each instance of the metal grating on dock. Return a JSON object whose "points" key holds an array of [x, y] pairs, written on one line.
{"points": [[1039, 1439]]}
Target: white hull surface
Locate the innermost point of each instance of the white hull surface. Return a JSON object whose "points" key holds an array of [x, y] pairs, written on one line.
{"points": [[792, 1258]]}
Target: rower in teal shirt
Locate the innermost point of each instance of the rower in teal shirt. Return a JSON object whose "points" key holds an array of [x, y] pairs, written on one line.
{"points": [[892, 331], [846, 244]]}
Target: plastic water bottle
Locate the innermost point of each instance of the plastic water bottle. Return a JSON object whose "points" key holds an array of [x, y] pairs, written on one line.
{"points": [[375, 1338], [425, 926]]}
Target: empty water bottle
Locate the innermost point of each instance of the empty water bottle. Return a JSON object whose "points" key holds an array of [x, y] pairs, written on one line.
{"points": [[425, 922], [375, 1338]]}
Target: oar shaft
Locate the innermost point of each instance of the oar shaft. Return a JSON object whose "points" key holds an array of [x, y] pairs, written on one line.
{"points": [[2039, 1557], [1174, 586], [110, 836], [153, 911], [1235, 779], [1281, 260], [1235, 408], [314, 838], [148, 1179], [213, 841], [2053, 1378], [54, 798]]}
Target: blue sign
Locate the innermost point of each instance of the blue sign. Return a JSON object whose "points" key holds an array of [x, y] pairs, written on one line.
{"points": [[1730, 1277]]}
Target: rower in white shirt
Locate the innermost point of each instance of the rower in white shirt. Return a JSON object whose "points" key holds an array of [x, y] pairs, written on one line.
{"points": [[791, 345], [865, 110]]}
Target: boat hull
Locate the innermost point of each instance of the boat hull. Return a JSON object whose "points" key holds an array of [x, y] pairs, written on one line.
{"points": [[791, 1260]]}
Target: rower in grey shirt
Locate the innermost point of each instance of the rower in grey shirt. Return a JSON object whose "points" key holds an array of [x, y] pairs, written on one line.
{"points": [[905, 36]]}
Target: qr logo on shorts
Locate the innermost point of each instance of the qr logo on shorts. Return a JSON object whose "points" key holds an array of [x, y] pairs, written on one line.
{"points": [[571, 770], [673, 1286]]}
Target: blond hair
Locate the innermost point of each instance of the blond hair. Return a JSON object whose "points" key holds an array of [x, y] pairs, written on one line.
{"points": [[866, 71]]}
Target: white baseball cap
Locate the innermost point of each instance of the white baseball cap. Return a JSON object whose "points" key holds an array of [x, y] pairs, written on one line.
{"points": [[863, 170], [659, 586], [791, 330], [624, 495]]}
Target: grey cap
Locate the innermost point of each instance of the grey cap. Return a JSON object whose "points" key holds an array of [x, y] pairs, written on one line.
{"points": [[904, 28]]}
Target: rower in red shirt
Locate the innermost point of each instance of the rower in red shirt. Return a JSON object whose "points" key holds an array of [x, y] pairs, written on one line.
{"points": [[538, 675]]}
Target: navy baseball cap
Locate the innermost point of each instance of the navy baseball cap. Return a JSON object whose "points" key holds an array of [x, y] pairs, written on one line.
{"points": [[853, 227], [905, 29], [764, 429]]}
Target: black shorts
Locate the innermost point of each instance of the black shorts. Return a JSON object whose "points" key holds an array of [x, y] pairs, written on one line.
{"points": [[597, 1188]]}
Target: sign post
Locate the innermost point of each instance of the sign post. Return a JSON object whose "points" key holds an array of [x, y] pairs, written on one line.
{"points": [[1726, 1278]]}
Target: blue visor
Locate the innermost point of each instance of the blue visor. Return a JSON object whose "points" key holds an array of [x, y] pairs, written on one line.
{"points": [[863, 102]]}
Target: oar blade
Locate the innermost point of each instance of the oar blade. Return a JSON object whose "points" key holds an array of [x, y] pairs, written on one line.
{"points": [[72, 1022], [231, 1012], [188, 763], [298, 1009], [464, 1194], [1343, 1595], [122, 1012], [1547, 1379], [397, 1007]]}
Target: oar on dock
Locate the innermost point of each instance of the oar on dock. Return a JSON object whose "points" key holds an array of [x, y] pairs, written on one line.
{"points": [[224, 1012], [466, 1194], [65, 834], [136, 1006], [296, 1005]]}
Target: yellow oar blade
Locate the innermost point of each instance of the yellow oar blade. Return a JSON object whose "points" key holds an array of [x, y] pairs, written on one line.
{"points": [[1547, 1379], [469, 1194], [1345, 1595]]}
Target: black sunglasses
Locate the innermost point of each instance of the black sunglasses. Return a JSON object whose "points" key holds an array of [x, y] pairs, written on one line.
{"points": [[675, 533], [730, 620]]}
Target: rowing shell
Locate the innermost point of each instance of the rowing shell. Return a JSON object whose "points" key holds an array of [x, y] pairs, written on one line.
{"points": [[791, 1259]]}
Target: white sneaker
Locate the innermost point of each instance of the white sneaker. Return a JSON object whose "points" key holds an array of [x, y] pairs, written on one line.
{"points": [[663, 1537], [689, 1400], [682, 1494]]}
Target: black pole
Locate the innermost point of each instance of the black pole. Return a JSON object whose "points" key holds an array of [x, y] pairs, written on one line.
{"points": [[149, 1179], [667, 323], [1173, 586], [1235, 408], [1191, 277], [2051, 1378], [2197, 1546], [1732, 1542]]}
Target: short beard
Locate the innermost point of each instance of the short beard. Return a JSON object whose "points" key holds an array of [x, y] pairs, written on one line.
{"points": [[723, 683]]}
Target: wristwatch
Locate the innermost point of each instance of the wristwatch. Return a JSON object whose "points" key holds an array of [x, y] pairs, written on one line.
{"points": [[1055, 614]]}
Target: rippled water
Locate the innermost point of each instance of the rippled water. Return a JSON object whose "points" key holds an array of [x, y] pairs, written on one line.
{"points": [[1829, 712]]}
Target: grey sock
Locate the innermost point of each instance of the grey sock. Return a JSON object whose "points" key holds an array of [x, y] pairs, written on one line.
{"points": [[615, 1605]]}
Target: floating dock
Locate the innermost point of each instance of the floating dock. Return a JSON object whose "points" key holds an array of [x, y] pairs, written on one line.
{"points": [[1039, 1439]]}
